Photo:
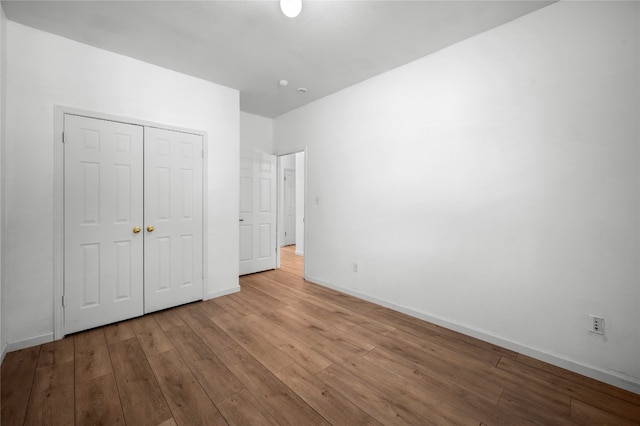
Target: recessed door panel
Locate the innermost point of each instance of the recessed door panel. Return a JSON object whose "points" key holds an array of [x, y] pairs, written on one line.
{"points": [[90, 275], [186, 180], [123, 193], [246, 194], [246, 242], [123, 270], [91, 192], [265, 243], [188, 260]]}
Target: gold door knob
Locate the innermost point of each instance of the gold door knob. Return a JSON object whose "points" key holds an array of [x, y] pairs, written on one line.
{"points": [[150, 228], [136, 229]]}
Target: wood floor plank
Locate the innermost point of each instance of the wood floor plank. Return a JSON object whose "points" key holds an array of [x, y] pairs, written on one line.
{"points": [[52, 395], [585, 414], [216, 339], [151, 337], [257, 302], [189, 403], [214, 377], [288, 343], [193, 316], [518, 390], [266, 285], [341, 341], [273, 396], [420, 328], [168, 319], [433, 376], [342, 299], [211, 309], [98, 402], [260, 348], [576, 391], [378, 404], [233, 307], [536, 412], [91, 355], [582, 380], [529, 388], [18, 370], [441, 405], [322, 398], [242, 409], [458, 353], [57, 352], [320, 305], [142, 399], [118, 332]]}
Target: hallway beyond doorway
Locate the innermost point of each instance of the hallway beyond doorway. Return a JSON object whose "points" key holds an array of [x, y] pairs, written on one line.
{"points": [[290, 261]]}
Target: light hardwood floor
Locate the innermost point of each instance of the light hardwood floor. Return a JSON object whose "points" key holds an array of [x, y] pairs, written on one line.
{"points": [[285, 351]]}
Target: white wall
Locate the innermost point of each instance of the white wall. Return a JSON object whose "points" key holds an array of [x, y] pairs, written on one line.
{"points": [[300, 203], [492, 187], [46, 70], [256, 133], [3, 62]]}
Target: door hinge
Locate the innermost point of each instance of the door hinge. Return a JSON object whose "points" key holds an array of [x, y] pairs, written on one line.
{"points": [[63, 137], [63, 301], [202, 275]]}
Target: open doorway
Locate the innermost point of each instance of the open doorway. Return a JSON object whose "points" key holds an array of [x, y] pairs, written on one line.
{"points": [[291, 208]]}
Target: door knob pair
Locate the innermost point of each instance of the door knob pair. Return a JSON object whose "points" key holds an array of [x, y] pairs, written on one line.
{"points": [[137, 229]]}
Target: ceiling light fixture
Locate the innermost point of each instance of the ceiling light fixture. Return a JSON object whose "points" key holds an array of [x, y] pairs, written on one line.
{"points": [[291, 8]]}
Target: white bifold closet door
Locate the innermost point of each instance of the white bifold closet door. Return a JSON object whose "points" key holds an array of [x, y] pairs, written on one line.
{"points": [[133, 220]]}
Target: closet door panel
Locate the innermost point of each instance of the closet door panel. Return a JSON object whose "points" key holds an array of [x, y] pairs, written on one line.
{"points": [[173, 218], [103, 255]]}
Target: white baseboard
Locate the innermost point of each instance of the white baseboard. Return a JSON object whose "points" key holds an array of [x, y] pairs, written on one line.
{"points": [[4, 352], [299, 253], [224, 292], [624, 382], [27, 343]]}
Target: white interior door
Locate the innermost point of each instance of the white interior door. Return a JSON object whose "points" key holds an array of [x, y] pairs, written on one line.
{"points": [[103, 183], [289, 207], [257, 212], [173, 218]]}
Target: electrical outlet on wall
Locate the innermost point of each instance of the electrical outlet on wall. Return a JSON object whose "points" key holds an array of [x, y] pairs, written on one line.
{"points": [[356, 267], [596, 324]]}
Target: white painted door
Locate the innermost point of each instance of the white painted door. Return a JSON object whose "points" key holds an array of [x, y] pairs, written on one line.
{"points": [[103, 180], [289, 207], [257, 212], [173, 218]]}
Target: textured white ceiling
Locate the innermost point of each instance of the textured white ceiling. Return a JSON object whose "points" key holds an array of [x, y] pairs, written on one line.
{"points": [[250, 45]]}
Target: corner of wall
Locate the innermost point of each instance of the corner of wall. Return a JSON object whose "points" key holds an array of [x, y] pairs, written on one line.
{"points": [[3, 54]]}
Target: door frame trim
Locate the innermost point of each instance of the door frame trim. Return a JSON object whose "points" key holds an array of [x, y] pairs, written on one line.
{"points": [[305, 151], [58, 200]]}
